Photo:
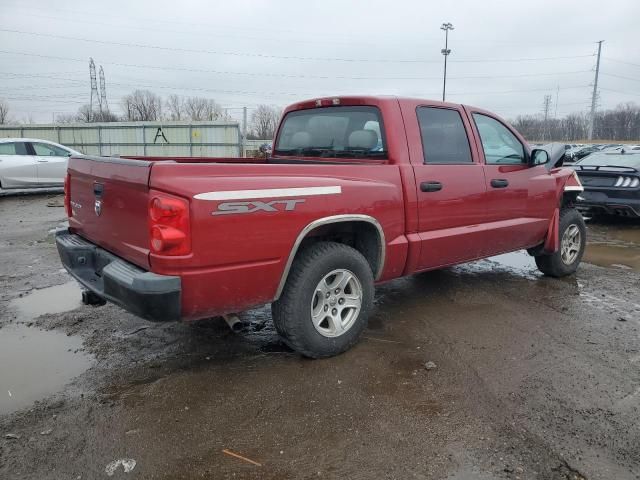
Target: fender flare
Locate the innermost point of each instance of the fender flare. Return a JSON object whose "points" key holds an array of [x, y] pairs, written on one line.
{"points": [[328, 221]]}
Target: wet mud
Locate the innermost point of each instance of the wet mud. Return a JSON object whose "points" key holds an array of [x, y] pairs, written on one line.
{"points": [[529, 377]]}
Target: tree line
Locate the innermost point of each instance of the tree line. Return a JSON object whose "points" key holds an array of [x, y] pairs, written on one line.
{"points": [[619, 123], [145, 105]]}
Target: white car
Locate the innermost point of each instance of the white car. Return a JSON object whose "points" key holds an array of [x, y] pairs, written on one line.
{"points": [[32, 163]]}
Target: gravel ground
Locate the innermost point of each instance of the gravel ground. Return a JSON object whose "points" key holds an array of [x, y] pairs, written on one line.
{"points": [[530, 377]]}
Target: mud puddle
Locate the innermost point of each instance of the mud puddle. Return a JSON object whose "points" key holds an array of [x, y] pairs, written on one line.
{"points": [[56, 299], [519, 260], [625, 257], [35, 364]]}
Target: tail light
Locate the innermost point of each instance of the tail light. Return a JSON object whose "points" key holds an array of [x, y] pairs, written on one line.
{"points": [[169, 225], [67, 195]]}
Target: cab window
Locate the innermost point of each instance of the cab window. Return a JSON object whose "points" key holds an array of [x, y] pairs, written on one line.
{"points": [[333, 132], [45, 150], [444, 139], [501, 147], [13, 148]]}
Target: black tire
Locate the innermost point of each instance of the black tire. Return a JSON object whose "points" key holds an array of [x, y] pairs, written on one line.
{"points": [[292, 312], [554, 265]]}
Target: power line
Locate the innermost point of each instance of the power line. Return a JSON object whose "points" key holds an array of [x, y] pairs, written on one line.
{"points": [[621, 76], [632, 94], [322, 77], [615, 60], [278, 57], [284, 75]]}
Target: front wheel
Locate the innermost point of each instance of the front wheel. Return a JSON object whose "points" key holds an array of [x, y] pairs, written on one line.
{"points": [[326, 301], [573, 239]]}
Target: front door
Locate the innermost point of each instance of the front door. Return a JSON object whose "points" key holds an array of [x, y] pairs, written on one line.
{"points": [[519, 197], [52, 164], [450, 188]]}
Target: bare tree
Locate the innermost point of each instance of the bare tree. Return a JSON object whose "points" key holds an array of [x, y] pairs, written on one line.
{"points": [[201, 109], [175, 107], [105, 116], [4, 112], [142, 105], [264, 121], [84, 114]]}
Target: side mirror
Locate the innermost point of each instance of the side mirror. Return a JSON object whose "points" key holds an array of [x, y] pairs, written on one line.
{"points": [[538, 157]]}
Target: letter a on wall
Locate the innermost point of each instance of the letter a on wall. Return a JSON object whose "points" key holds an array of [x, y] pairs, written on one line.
{"points": [[160, 134]]}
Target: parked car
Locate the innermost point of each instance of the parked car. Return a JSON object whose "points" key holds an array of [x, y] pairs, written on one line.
{"points": [[611, 183], [31, 163], [619, 148], [312, 228], [575, 155]]}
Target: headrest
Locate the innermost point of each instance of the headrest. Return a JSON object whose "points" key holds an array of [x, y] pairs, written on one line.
{"points": [[366, 139], [300, 140]]}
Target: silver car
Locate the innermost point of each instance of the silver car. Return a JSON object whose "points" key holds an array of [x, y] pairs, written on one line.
{"points": [[32, 163]]}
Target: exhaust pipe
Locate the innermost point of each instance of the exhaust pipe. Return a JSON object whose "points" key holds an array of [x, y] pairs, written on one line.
{"points": [[91, 298], [234, 322]]}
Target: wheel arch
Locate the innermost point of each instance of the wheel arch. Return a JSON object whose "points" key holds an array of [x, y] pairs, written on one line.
{"points": [[356, 225]]}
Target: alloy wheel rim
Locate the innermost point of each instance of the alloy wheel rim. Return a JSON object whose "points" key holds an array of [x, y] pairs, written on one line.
{"points": [[336, 303], [570, 245]]}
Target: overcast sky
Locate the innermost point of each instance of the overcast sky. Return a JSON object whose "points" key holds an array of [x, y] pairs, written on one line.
{"points": [[506, 55]]}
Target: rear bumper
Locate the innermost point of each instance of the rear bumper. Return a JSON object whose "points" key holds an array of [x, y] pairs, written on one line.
{"points": [[145, 294], [606, 202]]}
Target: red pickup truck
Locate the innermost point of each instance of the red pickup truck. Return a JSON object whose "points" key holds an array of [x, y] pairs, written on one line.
{"points": [[358, 191]]}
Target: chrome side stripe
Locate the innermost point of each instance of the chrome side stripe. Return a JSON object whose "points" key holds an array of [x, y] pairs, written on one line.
{"points": [[268, 193]]}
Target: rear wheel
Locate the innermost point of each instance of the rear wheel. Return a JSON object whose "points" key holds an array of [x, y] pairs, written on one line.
{"points": [[326, 301], [573, 238]]}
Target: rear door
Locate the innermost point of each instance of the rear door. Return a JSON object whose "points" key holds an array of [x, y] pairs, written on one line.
{"points": [[17, 166], [450, 185], [51, 163], [520, 199]]}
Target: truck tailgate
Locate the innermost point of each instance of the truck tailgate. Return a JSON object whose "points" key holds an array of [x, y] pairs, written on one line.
{"points": [[109, 204]]}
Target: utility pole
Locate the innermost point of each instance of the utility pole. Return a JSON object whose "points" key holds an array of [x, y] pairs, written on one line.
{"points": [[546, 107], [445, 51], [594, 96]]}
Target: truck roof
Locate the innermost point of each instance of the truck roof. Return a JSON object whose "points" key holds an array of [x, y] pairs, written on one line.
{"points": [[368, 100]]}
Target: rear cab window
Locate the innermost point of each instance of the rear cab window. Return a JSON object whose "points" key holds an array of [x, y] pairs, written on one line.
{"points": [[333, 132]]}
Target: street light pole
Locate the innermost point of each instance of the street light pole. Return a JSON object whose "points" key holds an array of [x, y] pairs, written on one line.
{"points": [[445, 51]]}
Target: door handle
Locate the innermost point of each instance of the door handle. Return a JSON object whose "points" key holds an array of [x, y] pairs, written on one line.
{"points": [[430, 186], [42, 160], [499, 183]]}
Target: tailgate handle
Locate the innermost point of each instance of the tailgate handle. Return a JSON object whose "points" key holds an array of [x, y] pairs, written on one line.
{"points": [[98, 188]]}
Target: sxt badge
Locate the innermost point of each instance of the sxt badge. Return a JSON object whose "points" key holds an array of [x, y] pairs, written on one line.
{"points": [[257, 206]]}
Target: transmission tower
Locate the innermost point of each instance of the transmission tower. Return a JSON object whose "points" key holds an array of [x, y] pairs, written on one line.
{"points": [[103, 92], [546, 107], [94, 89]]}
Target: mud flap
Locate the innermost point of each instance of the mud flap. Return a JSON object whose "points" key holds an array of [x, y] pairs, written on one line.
{"points": [[552, 242]]}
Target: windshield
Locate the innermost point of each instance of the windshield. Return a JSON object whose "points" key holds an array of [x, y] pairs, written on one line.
{"points": [[352, 132], [612, 159]]}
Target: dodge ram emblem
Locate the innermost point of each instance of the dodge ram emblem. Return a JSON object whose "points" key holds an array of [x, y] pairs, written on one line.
{"points": [[97, 207]]}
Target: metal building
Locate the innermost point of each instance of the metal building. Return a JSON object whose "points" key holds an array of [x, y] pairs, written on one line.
{"points": [[179, 139]]}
